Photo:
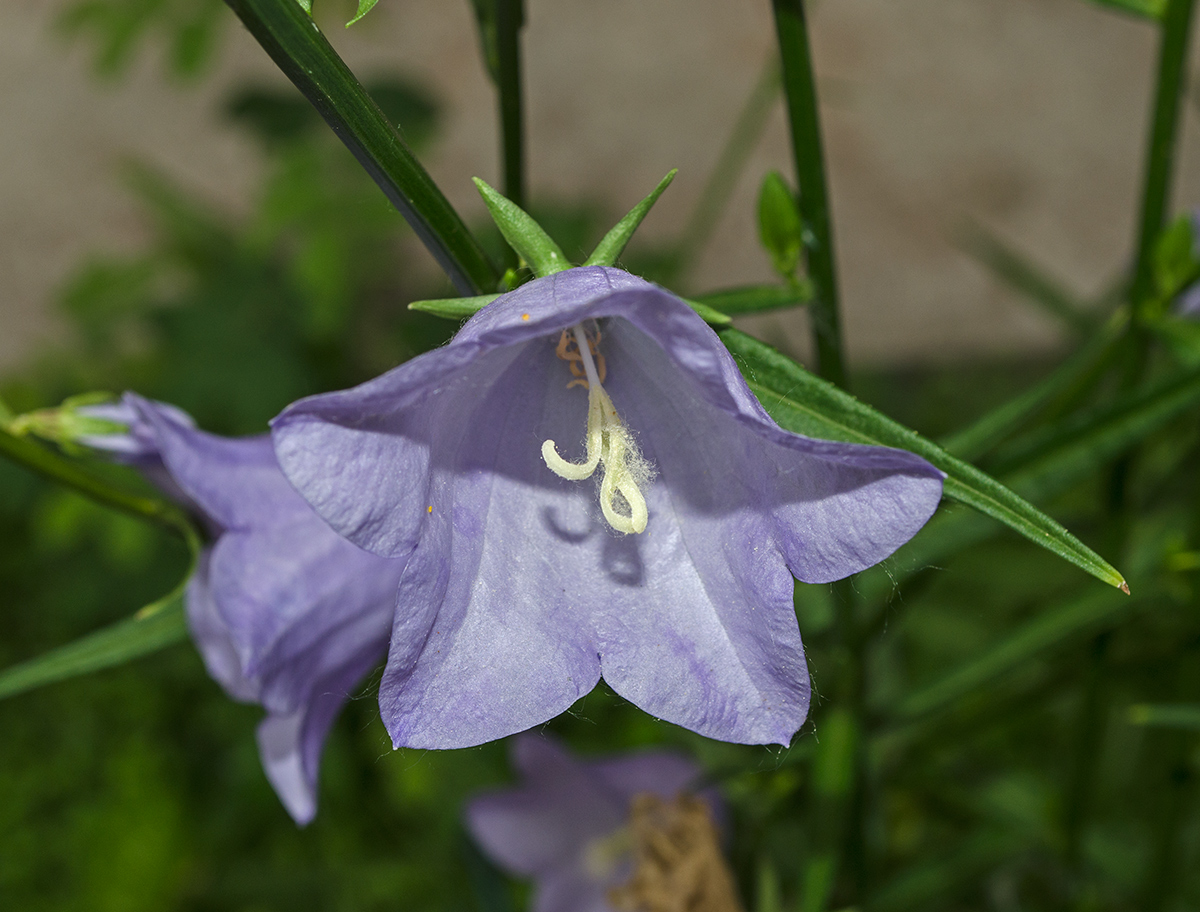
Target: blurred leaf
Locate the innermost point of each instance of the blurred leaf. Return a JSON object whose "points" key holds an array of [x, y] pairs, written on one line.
{"points": [[523, 234], [780, 228], [973, 441], [929, 884], [364, 7], [1021, 275], [1149, 9], [485, 17], [757, 298], [487, 882], [1046, 630], [1166, 715], [1174, 264], [611, 246], [805, 404], [153, 628], [1090, 439], [117, 27]]}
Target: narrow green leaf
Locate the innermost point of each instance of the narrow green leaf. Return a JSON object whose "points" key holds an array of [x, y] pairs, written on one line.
{"points": [[364, 7], [1043, 632], [1016, 271], [613, 243], [1166, 715], [151, 629], [306, 5], [780, 228], [1072, 457], [805, 404], [757, 298], [523, 234], [304, 55], [1149, 9], [973, 441], [454, 308]]}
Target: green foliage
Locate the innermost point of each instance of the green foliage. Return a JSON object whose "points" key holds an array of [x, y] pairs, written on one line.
{"points": [[988, 732], [780, 227], [117, 27]]}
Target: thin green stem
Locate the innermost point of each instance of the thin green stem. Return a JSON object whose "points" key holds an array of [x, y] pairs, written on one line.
{"points": [[747, 131], [304, 55], [67, 472], [1160, 155], [510, 17], [803, 116]]}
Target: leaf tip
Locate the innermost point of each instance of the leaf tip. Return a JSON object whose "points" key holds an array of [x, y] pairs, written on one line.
{"points": [[1124, 587]]}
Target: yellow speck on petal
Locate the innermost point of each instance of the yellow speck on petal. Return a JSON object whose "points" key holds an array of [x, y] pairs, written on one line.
{"points": [[430, 510], [524, 316]]}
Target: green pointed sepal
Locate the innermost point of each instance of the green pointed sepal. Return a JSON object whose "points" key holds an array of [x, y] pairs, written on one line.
{"points": [[613, 243], [454, 308], [523, 234]]}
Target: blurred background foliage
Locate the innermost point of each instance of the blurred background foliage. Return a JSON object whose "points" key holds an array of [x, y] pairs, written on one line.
{"points": [[1000, 766]]}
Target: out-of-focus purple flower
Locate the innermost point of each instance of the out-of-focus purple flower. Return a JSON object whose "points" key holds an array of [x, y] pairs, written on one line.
{"points": [[285, 612], [518, 594], [567, 824]]}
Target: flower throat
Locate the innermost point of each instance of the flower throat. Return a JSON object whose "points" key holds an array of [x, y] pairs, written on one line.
{"points": [[609, 443]]}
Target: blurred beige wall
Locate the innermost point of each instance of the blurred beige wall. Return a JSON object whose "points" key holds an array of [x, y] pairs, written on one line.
{"points": [[1026, 116]]}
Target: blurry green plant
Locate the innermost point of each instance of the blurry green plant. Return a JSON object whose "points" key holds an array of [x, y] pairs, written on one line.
{"points": [[992, 731]]}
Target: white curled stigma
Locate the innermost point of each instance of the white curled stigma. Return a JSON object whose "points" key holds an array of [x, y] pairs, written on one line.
{"points": [[609, 444]]}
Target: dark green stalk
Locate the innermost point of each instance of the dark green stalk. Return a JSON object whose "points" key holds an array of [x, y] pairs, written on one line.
{"points": [[800, 90], [1090, 731], [1160, 153], [57, 468], [1174, 805], [837, 807], [510, 17], [741, 142], [304, 55]]}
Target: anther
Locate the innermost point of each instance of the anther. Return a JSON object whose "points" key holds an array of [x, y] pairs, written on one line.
{"points": [[607, 442]]}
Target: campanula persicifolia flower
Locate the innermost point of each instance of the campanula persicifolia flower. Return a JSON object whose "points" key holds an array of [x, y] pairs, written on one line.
{"points": [[582, 830], [581, 484], [284, 612]]}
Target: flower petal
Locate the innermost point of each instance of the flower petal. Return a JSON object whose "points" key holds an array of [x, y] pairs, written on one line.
{"points": [[290, 744], [236, 481], [492, 625]]}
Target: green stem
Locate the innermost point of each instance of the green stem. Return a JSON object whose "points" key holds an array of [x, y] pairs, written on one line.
{"points": [[800, 89], [747, 131], [1160, 154], [510, 17], [304, 55], [64, 471]]}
